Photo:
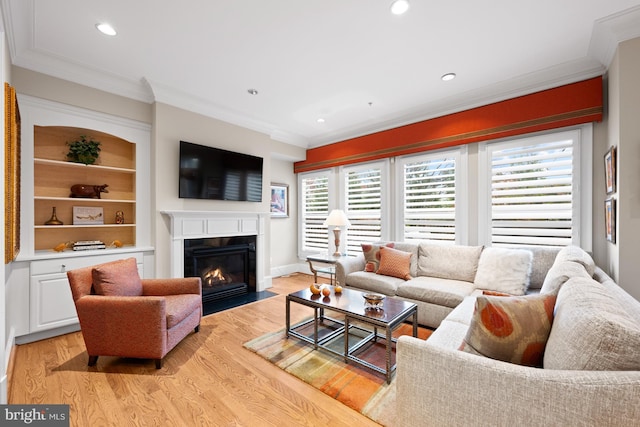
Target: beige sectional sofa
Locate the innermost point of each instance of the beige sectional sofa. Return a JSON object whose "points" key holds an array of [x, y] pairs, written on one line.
{"points": [[591, 365], [442, 276]]}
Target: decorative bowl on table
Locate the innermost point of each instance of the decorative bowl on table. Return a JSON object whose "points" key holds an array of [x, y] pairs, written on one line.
{"points": [[373, 301]]}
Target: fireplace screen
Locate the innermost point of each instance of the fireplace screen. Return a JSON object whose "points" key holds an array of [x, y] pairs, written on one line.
{"points": [[225, 269]]}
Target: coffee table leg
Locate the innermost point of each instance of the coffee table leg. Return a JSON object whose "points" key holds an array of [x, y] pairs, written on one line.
{"points": [[346, 339], [389, 344], [315, 328], [415, 323], [288, 311]]}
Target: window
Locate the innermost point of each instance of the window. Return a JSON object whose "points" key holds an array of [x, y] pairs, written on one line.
{"points": [[363, 204], [533, 196], [429, 202], [314, 196]]}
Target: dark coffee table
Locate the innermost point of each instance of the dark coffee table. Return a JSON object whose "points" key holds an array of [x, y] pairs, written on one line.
{"points": [[361, 323]]}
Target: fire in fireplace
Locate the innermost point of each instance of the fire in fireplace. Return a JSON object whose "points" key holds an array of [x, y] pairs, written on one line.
{"points": [[215, 277], [226, 266]]}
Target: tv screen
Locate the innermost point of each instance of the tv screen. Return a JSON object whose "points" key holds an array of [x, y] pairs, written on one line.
{"points": [[216, 174]]}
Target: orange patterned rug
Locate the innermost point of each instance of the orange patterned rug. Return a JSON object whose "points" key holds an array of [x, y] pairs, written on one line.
{"points": [[358, 387]]}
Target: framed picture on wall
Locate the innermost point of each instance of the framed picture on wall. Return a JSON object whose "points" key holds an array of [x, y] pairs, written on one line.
{"points": [[11, 174], [279, 200], [610, 170], [610, 219]]}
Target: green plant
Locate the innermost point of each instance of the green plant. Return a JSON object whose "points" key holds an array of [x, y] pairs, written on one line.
{"points": [[83, 150]]}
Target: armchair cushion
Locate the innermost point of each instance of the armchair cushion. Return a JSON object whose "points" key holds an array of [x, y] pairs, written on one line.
{"points": [[180, 306], [117, 278]]}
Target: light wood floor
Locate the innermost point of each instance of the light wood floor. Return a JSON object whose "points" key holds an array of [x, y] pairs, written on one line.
{"points": [[209, 379]]}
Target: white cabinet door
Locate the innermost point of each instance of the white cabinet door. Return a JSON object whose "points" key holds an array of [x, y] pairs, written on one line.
{"points": [[51, 302]]}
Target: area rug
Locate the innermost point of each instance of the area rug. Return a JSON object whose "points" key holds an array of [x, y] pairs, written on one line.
{"points": [[356, 386]]}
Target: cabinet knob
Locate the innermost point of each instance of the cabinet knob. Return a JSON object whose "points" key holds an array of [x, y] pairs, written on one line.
{"points": [[63, 267]]}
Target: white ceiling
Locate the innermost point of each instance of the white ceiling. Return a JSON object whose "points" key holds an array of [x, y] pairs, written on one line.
{"points": [[350, 62]]}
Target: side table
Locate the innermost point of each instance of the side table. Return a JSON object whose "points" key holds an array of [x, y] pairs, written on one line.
{"points": [[328, 266]]}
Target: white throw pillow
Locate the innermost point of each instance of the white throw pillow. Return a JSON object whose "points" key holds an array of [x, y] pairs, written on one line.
{"points": [[504, 270]]}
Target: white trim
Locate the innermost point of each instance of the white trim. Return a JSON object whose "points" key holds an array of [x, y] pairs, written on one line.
{"points": [[201, 224], [581, 188]]}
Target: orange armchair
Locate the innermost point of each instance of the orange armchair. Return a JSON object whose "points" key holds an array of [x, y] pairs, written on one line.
{"points": [[125, 316]]}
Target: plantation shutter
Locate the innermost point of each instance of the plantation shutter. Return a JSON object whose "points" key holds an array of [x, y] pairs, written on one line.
{"points": [[363, 207], [430, 199], [532, 197], [315, 209]]}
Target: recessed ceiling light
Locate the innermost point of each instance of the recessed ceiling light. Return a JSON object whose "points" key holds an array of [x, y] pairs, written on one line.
{"points": [[399, 7], [106, 29], [252, 91], [320, 120], [448, 76]]}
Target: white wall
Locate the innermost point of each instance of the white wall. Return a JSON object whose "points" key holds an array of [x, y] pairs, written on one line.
{"points": [[624, 132], [170, 125], [284, 235]]}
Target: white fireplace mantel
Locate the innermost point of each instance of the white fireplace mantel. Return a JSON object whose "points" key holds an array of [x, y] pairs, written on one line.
{"points": [[202, 224]]}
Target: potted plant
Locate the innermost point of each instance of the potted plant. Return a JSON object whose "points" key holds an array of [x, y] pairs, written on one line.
{"points": [[83, 150]]}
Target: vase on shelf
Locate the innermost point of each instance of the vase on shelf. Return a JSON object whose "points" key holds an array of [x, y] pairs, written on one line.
{"points": [[54, 219]]}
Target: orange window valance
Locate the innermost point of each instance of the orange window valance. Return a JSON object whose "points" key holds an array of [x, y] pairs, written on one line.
{"points": [[567, 105]]}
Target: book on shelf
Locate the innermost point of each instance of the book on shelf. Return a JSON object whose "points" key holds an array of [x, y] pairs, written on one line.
{"points": [[88, 242], [86, 245]]}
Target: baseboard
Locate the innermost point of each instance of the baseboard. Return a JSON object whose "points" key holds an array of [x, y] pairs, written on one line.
{"points": [[9, 354], [284, 270], [303, 267], [37, 336]]}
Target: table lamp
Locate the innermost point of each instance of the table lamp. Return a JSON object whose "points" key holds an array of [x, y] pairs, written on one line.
{"points": [[337, 218]]}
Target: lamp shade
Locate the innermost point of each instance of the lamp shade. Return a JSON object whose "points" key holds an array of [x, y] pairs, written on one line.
{"points": [[337, 218]]}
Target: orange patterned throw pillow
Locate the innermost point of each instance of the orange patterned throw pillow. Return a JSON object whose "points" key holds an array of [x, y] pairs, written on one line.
{"points": [[512, 329], [371, 254], [395, 263]]}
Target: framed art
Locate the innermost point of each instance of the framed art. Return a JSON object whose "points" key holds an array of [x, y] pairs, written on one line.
{"points": [[87, 215], [610, 219], [279, 200], [11, 175], [610, 170]]}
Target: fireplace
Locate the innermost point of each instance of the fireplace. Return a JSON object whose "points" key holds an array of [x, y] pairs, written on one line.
{"points": [[207, 225], [226, 265]]}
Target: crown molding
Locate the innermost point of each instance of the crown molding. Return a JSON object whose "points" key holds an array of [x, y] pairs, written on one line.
{"points": [[186, 101], [610, 31], [569, 72]]}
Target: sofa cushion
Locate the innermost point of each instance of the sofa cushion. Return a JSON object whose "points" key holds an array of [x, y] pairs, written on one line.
{"points": [[504, 270], [371, 254], [449, 334], [512, 329], [117, 278], [542, 261], [435, 290], [463, 313], [576, 254], [560, 273], [374, 282], [394, 263], [591, 331], [448, 261]]}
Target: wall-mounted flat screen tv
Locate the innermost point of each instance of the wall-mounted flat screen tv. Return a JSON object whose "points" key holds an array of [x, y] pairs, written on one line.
{"points": [[216, 174]]}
